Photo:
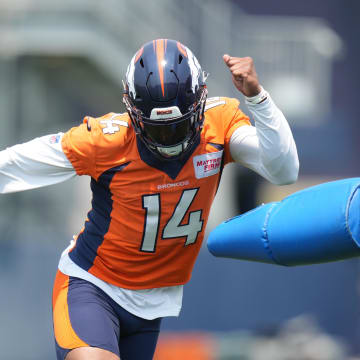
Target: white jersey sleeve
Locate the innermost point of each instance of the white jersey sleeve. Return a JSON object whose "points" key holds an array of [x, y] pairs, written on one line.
{"points": [[37, 163], [268, 148]]}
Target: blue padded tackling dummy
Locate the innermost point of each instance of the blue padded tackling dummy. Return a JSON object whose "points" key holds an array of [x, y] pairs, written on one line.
{"points": [[315, 225]]}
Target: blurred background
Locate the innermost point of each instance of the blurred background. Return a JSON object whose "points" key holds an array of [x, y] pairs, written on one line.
{"points": [[60, 61]]}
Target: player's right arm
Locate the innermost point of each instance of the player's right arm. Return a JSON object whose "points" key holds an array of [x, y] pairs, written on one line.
{"points": [[52, 159], [37, 163]]}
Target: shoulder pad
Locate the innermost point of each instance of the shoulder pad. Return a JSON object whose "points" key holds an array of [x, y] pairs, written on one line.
{"points": [[109, 123], [213, 102], [112, 122], [217, 101]]}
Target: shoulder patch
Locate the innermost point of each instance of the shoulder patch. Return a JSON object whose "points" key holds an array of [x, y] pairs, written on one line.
{"points": [[54, 139], [207, 164]]}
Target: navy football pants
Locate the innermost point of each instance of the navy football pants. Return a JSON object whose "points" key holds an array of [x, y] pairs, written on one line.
{"points": [[84, 315]]}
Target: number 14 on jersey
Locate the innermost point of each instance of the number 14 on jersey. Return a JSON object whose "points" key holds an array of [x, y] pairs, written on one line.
{"points": [[174, 227]]}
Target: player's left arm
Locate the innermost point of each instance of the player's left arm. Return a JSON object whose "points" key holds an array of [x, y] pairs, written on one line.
{"points": [[268, 148]]}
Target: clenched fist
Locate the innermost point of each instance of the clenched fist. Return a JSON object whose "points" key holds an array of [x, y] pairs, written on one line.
{"points": [[243, 74]]}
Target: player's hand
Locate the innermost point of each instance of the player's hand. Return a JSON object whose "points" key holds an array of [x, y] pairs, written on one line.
{"points": [[243, 74]]}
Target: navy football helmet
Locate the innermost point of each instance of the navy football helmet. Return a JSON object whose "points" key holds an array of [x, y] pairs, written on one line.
{"points": [[165, 95]]}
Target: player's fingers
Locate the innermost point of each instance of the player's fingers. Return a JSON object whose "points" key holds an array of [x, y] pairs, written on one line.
{"points": [[231, 60], [226, 58], [240, 70], [246, 62], [239, 66], [234, 59]]}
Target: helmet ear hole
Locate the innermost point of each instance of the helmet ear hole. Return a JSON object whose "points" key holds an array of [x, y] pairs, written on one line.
{"points": [[142, 63], [180, 58]]}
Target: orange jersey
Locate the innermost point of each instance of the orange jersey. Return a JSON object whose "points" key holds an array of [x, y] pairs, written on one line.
{"points": [[148, 216]]}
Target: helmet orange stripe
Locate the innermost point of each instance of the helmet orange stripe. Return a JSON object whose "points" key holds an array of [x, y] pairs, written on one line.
{"points": [[182, 49], [138, 55], [160, 54]]}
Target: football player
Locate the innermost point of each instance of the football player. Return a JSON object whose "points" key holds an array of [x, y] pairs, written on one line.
{"points": [[154, 174]]}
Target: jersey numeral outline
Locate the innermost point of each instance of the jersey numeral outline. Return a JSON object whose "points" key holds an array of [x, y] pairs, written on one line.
{"points": [[174, 227], [112, 125]]}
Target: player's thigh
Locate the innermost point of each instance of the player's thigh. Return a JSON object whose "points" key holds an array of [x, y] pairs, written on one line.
{"points": [[138, 336], [140, 345], [90, 353], [83, 318]]}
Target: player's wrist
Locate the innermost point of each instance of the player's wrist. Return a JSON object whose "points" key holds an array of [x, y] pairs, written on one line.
{"points": [[257, 99]]}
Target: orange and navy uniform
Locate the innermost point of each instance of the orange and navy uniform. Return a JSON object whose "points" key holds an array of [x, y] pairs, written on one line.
{"points": [[148, 216]]}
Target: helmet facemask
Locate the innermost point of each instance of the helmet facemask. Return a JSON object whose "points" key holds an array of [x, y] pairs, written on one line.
{"points": [[167, 133]]}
